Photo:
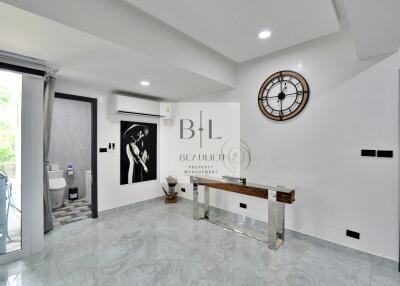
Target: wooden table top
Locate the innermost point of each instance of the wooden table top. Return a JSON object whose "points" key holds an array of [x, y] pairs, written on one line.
{"points": [[250, 189]]}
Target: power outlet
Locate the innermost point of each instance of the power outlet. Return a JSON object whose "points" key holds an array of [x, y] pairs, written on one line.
{"points": [[368, 153], [385, 153], [111, 147], [353, 234], [243, 206]]}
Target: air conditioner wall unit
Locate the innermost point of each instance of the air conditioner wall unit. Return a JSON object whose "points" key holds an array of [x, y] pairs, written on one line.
{"points": [[122, 104]]}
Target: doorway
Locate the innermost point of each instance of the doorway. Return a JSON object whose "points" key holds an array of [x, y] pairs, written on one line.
{"points": [[73, 159], [21, 148]]}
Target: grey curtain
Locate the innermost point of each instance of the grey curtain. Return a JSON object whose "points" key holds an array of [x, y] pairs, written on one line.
{"points": [[49, 90]]}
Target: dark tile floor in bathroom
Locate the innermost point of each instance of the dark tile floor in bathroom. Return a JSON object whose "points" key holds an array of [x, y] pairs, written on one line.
{"points": [[72, 212]]}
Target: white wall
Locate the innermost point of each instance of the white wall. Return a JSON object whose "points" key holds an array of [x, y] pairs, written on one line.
{"points": [[110, 193], [353, 105]]}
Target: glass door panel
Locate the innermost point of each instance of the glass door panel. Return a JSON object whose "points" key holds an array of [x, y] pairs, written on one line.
{"points": [[10, 161]]}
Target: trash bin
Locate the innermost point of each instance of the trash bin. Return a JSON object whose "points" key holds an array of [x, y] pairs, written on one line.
{"points": [[73, 194]]}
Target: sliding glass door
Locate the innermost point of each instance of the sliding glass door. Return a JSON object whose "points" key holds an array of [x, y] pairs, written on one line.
{"points": [[10, 162]]}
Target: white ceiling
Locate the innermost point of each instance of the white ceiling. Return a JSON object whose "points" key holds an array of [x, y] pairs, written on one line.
{"points": [[88, 59], [231, 26], [123, 24], [375, 26], [185, 48]]}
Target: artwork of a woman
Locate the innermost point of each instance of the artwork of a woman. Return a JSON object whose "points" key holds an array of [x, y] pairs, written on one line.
{"points": [[137, 152]]}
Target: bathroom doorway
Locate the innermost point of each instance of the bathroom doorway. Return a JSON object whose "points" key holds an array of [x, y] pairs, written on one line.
{"points": [[73, 159]]}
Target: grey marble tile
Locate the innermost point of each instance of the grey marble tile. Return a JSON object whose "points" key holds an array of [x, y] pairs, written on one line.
{"points": [[173, 268], [324, 266], [158, 244], [217, 244], [45, 273], [134, 248], [273, 270], [181, 229], [385, 273], [223, 276], [274, 266]]}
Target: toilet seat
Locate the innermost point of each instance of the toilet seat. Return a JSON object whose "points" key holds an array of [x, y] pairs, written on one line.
{"points": [[57, 187], [57, 184]]}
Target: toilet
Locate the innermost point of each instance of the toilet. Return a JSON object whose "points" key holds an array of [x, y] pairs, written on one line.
{"points": [[57, 185]]}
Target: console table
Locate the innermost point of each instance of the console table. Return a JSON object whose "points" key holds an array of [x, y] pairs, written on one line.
{"points": [[277, 198]]}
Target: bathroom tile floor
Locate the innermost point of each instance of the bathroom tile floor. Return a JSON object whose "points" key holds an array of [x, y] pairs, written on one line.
{"points": [[159, 244], [72, 212]]}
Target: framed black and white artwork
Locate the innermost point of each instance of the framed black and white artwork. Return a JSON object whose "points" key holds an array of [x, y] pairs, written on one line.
{"points": [[138, 152]]}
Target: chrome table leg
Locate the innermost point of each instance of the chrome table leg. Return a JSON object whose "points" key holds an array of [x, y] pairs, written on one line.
{"points": [[196, 214], [276, 221], [206, 202]]}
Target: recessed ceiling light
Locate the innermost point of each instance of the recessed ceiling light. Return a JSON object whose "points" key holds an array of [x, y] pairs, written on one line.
{"points": [[144, 83], [264, 34]]}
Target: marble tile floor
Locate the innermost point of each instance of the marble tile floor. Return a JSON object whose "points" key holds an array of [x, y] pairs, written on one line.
{"points": [[160, 244]]}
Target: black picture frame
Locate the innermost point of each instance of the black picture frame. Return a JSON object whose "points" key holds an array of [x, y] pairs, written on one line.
{"points": [[138, 161]]}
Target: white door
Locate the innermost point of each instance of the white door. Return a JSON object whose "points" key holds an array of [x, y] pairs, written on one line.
{"points": [[21, 156]]}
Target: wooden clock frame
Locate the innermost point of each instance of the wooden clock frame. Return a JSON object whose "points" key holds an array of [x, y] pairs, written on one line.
{"points": [[279, 76]]}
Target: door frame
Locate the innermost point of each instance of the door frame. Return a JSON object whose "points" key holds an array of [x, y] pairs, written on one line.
{"points": [[93, 102]]}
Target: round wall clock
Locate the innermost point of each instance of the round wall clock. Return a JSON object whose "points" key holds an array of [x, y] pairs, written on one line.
{"points": [[283, 95]]}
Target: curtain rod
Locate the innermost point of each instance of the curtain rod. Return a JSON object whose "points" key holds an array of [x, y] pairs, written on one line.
{"points": [[28, 64], [14, 56]]}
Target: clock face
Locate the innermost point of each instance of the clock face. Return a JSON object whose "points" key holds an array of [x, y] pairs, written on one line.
{"points": [[283, 95]]}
